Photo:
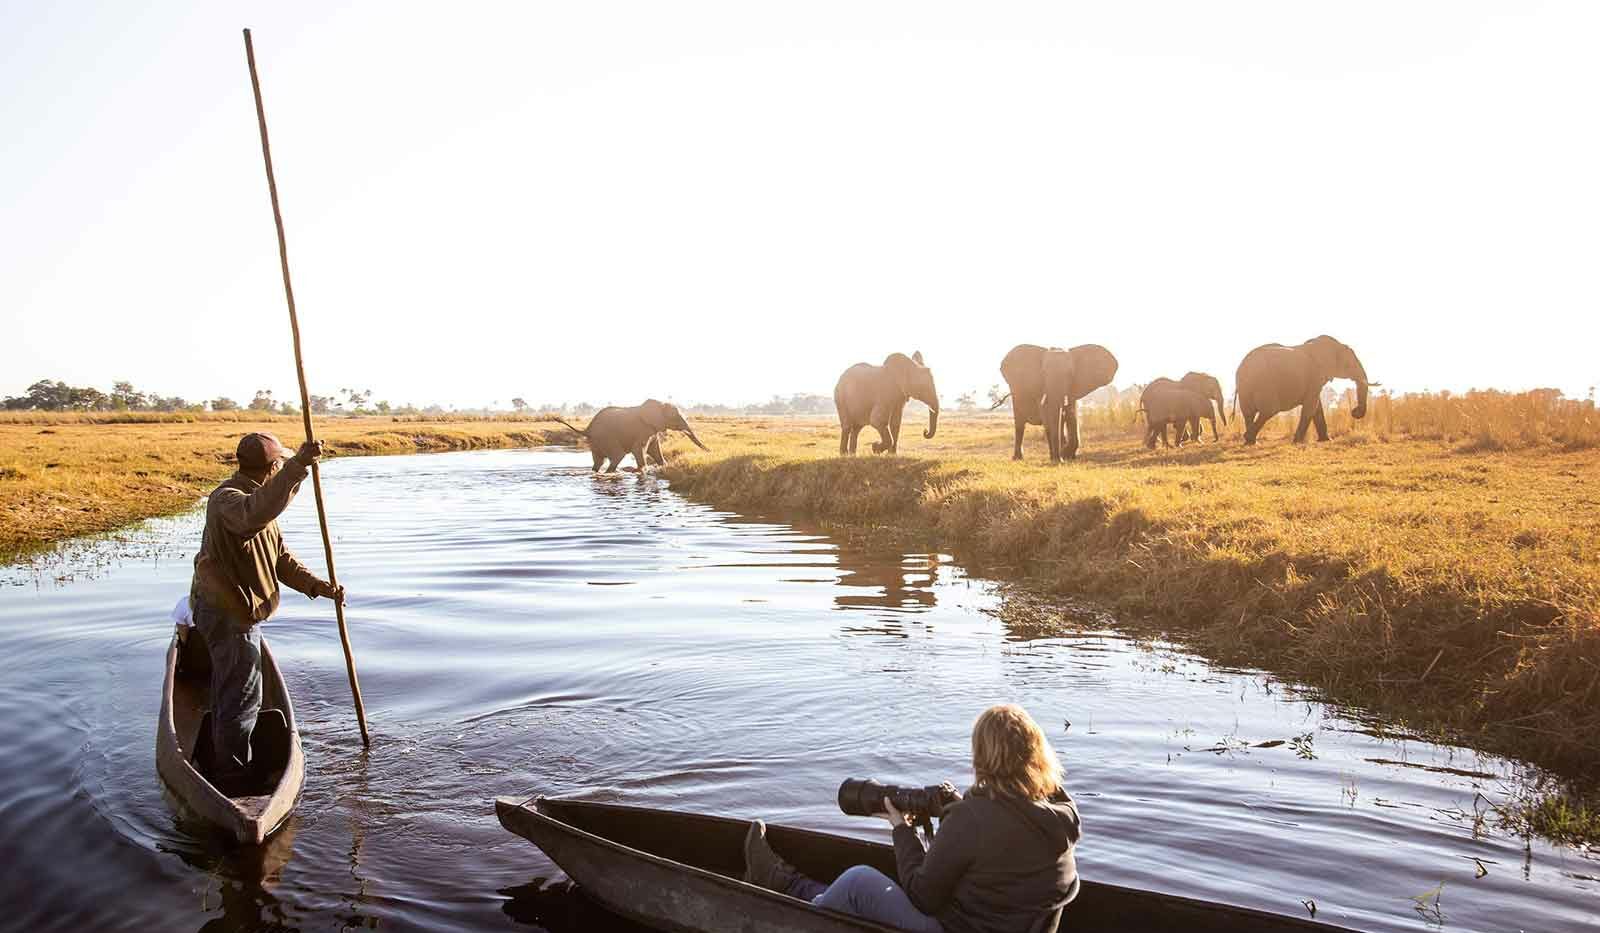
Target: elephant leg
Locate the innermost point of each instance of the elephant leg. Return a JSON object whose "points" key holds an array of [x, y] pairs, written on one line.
{"points": [[1307, 409], [1021, 422], [1320, 419], [1254, 421], [1070, 417], [652, 451], [884, 441], [844, 439], [894, 429], [855, 437], [640, 459], [598, 459]]}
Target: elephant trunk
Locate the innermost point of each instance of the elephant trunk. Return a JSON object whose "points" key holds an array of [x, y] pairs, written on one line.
{"points": [[690, 432], [933, 421], [1222, 410], [1358, 374]]}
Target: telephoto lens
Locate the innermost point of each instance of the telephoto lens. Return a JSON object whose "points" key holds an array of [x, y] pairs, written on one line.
{"points": [[859, 797]]}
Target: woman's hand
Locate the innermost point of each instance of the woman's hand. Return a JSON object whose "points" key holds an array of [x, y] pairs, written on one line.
{"points": [[892, 816]]}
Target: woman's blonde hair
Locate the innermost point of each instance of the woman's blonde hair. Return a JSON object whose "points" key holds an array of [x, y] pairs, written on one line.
{"points": [[1011, 755]]}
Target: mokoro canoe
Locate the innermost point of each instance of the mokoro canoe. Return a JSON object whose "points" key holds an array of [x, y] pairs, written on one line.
{"points": [[278, 761], [680, 871]]}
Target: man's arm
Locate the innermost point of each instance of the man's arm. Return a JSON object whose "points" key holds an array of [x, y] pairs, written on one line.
{"points": [[296, 576], [245, 514], [930, 876]]}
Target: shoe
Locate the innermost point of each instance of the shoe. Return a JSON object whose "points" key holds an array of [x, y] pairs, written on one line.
{"points": [[762, 866]]}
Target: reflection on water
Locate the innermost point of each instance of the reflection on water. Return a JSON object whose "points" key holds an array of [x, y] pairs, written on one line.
{"points": [[523, 626]]}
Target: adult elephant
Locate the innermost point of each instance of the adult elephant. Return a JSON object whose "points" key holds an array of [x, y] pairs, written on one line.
{"points": [[1205, 385], [615, 432], [1046, 383], [876, 395], [1275, 378]]}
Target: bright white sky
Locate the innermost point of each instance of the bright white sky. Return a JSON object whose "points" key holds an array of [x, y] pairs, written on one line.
{"points": [[719, 202]]}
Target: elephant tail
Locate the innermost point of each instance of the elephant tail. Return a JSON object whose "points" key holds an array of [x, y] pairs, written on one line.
{"points": [[1141, 411], [999, 401], [574, 428]]}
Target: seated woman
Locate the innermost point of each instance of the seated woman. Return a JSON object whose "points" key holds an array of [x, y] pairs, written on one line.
{"points": [[1001, 861]]}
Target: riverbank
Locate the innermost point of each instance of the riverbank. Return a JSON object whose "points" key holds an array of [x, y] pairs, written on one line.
{"points": [[64, 476], [1453, 590]]}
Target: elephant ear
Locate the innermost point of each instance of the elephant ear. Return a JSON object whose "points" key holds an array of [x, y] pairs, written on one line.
{"points": [[1327, 352], [655, 414]]}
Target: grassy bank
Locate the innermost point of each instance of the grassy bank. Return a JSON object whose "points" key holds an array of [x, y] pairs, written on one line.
{"points": [[1446, 585], [66, 475]]}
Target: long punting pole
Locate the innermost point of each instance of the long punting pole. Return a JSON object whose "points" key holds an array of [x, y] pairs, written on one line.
{"points": [[305, 397]]}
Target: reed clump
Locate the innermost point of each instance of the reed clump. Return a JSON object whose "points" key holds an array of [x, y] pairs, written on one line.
{"points": [[1478, 420], [1452, 587]]}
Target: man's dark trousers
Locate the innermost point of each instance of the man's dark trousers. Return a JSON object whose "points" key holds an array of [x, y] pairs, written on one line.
{"points": [[235, 689]]}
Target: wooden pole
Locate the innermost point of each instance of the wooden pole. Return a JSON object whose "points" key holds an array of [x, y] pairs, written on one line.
{"points": [[305, 397]]}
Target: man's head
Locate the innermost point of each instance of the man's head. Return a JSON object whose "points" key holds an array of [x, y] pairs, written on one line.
{"points": [[260, 455]]}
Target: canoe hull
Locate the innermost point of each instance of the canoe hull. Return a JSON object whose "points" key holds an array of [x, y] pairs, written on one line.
{"points": [[679, 871], [184, 701]]}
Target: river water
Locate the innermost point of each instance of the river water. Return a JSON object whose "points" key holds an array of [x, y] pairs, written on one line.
{"points": [[522, 626]]}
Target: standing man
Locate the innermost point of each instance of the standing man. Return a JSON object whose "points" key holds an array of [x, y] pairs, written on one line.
{"points": [[238, 573]]}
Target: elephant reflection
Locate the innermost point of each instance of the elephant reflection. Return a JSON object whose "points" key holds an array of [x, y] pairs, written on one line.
{"points": [[873, 578]]}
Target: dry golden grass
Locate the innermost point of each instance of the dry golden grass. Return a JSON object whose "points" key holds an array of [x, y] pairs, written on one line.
{"points": [[1455, 589], [67, 475], [1476, 420]]}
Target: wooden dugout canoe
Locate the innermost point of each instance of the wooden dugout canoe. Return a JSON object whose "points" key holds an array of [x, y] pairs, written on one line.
{"points": [[185, 700], [680, 871]]}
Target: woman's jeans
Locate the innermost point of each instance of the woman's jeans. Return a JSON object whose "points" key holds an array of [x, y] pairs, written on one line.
{"points": [[865, 892]]}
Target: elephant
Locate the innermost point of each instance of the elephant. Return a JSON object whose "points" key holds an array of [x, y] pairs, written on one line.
{"points": [[1274, 378], [616, 432], [1203, 383], [1175, 405], [1046, 383], [877, 395]]}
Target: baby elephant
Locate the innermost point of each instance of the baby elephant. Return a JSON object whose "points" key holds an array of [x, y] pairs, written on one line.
{"points": [[615, 432], [1178, 407]]}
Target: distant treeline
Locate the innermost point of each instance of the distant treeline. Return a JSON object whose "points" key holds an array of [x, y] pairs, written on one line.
{"points": [[55, 395]]}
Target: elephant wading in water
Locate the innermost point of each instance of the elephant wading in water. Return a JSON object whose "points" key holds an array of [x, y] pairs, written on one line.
{"points": [[1046, 384], [1205, 385], [1175, 405], [877, 395], [615, 432], [1275, 378]]}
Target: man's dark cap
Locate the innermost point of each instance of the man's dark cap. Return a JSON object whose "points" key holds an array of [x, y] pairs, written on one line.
{"points": [[252, 451]]}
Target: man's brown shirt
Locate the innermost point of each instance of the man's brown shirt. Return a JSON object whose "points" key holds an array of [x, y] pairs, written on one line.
{"points": [[242, 559]]}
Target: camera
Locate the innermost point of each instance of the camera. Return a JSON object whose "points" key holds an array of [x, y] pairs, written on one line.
{"points": [[859, 797]]}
